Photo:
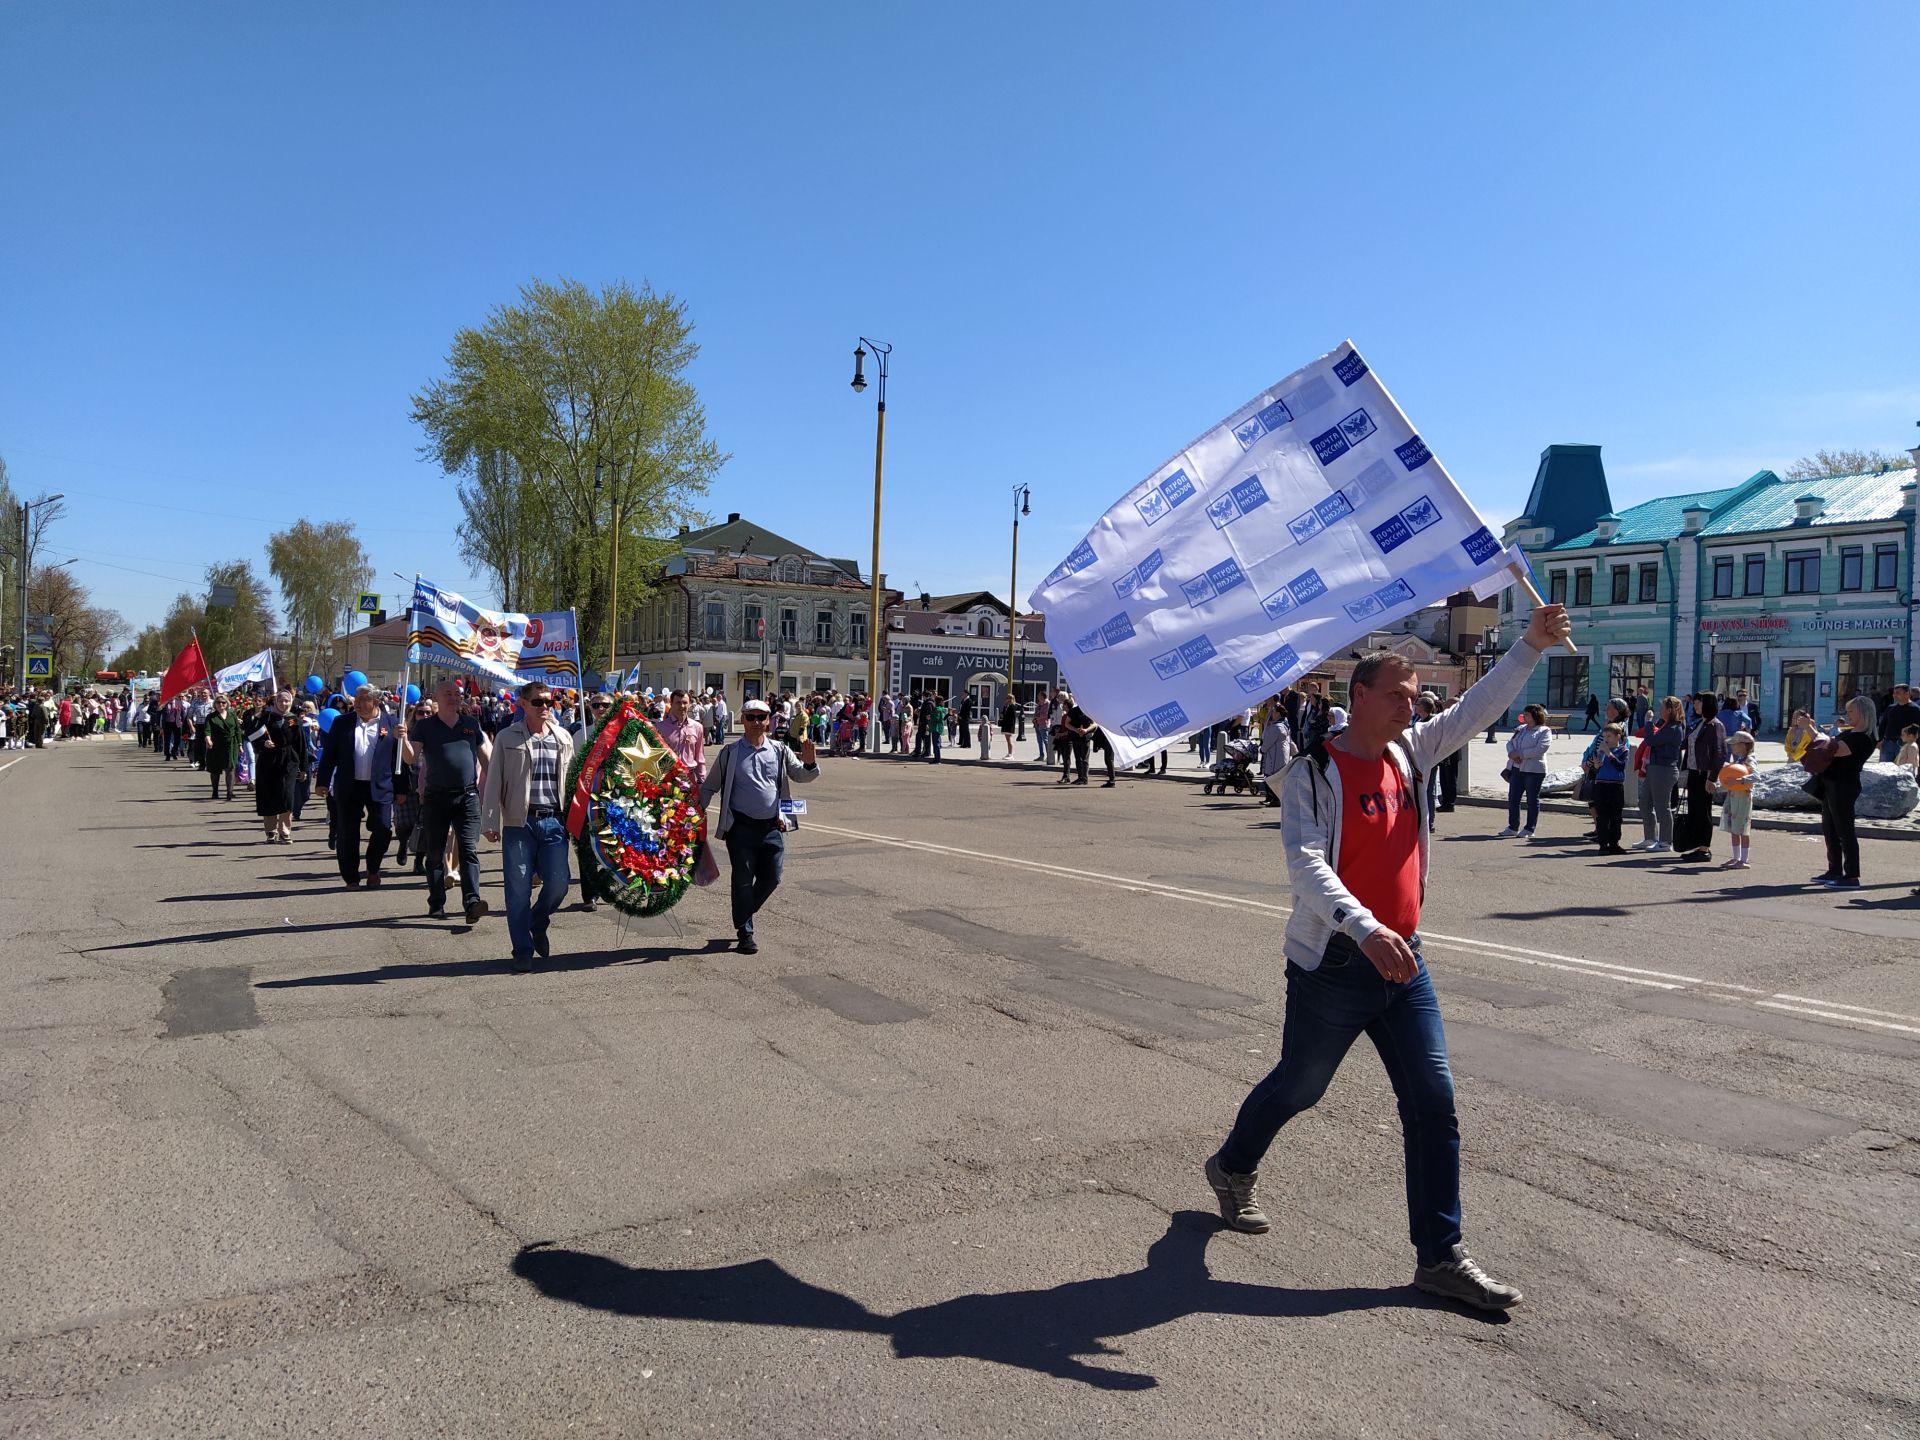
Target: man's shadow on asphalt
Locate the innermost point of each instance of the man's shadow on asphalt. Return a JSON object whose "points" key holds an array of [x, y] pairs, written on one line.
{"points": [[1049, 1331], [453, 969]]}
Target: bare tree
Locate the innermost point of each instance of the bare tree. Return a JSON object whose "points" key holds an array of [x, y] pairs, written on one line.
{"points": [[1844, 462]]}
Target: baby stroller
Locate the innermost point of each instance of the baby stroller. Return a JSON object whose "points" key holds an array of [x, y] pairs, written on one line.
{"points": [[1234, 768]]}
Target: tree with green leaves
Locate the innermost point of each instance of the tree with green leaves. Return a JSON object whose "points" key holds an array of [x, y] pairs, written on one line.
{"points": [[321, 569], [1844, 462], [561, 412], [229, 634]]}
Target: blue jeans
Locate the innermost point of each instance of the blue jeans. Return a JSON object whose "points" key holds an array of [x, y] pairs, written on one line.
{"points": [[1206, 746], [538, 847], [1527, 783], [756, 851], [1040, 739], [1889, 751], [1327, 1010]]}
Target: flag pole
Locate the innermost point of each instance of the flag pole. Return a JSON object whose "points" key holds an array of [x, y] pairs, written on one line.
{"points": [[1524, 580]]}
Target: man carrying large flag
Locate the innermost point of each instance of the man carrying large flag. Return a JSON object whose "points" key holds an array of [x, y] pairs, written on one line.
{"points": [[1311, 516]]}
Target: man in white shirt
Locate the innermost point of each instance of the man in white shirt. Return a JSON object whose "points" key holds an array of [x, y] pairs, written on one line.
{"points": [[356, 769]]}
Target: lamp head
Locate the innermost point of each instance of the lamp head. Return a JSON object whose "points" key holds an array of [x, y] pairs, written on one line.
{"points": [[859, 368], [1025, 509], [597, 468]]}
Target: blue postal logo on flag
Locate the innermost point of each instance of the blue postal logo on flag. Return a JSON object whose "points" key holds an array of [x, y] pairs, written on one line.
{"points": [[1320, 564]]}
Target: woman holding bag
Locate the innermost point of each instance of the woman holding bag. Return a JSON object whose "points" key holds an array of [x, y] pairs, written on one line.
{"points": [[1526, 770], [1706, 752], [1838, 786]]}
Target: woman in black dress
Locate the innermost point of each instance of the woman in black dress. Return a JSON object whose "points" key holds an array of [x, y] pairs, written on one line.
{"points": [[1840, 792], [280, 758], [1706, 752]]}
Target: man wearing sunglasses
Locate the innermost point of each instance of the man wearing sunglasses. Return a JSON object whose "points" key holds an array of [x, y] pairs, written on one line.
{"points": [[520, 808], [752, 777]]}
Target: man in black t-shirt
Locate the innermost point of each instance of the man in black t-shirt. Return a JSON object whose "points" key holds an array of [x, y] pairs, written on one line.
{"points": [[451, 751]]}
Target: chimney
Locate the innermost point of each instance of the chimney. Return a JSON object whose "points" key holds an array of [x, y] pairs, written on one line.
{"points": [[733, 517], [686, 530], [926, 601], [1807, 508]]}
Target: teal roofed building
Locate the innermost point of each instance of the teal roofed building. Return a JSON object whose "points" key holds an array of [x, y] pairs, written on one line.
{"points": [[1799, 592]]}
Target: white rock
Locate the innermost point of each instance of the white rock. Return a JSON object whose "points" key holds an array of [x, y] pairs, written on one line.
{"points": [[1887, 792], [1561, 782]]}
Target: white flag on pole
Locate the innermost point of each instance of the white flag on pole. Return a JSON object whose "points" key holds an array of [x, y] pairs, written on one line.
{"points": [[244, 672], [1310, 516]]}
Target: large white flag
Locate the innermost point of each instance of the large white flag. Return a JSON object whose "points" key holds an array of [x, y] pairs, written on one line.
{"points": [[1311, 515], [242, 672]]}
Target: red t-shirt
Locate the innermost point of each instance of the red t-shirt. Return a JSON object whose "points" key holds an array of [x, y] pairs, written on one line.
{"points": [[1379, 840]]}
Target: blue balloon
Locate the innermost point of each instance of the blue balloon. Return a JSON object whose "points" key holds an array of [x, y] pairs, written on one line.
{"points": [[325, 720], [413, 694], [315, 685], [355, 679]]}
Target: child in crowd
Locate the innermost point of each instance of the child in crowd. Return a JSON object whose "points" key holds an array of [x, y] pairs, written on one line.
{"points": [[1736, 815], [1910, 750], [1610, 788]]}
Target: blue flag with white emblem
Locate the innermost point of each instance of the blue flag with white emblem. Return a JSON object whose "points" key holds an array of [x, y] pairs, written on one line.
{"points": [[1309, 517]]}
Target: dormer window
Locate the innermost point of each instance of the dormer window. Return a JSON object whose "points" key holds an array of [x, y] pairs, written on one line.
{"points": [[1807, 508]]}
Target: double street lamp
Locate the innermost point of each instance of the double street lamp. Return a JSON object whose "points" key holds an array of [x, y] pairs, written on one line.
{"points": [[1020, 507], [882, 353], [27, 507]]}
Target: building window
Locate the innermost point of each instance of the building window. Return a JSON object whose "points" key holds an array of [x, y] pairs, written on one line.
{"points": [[1583, 587], [823, 627], [716, 621], [822, 684], [1736, 670], [1649, 582], [1557, 587], [1627, 673], [857, 628], [1566, 682], [1852, 567], [1622, 584], [1756, 576], [754, 615], [1886, 566], [790, 625], [1803, 572], [1722, 576], [1863, 672]]}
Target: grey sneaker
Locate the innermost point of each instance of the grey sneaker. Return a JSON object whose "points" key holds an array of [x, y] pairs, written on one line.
{"points": [[1461, 1278], [1235, 1194]]}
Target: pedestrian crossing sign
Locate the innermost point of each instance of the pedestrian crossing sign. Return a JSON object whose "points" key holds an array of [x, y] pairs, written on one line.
{"points": [[40, 667], [368, 603]]}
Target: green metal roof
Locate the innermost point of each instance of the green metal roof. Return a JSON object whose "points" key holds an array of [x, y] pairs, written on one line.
{"points": [[1850, 499], [1654, 520]]}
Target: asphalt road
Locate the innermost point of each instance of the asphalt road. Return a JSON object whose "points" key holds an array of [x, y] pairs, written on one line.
{"points": [[282, 1159]]}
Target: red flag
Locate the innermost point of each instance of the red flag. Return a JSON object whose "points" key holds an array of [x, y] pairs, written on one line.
{"points": [[189, 668]]}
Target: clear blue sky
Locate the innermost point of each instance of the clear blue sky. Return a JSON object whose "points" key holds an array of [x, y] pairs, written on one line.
{"points": [[238, 236]]}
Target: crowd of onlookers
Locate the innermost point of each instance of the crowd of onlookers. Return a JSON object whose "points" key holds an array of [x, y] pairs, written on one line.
{"points": [[1698, 753], [35, 716]]}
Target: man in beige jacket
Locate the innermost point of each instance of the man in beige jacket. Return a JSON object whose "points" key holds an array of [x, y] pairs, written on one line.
{"points": [[521, 808]]}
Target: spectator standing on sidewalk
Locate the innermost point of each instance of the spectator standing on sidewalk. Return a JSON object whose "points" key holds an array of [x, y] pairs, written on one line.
{"points": [[1043, 708], [1661, 749], [1897, 717], [1526, 770], [1357, 856]]}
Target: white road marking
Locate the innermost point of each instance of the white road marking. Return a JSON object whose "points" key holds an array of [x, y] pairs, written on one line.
{"points": [[11, 763], [1485, 949], [1833, 1015]]}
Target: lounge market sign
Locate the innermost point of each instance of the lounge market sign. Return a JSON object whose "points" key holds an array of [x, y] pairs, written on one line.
{"points": [[1773, 627]]}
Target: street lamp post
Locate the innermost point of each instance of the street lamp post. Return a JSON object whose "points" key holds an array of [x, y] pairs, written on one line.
{"points": [[1020, 507], [27, 507], [613, 587], [882, 353]]}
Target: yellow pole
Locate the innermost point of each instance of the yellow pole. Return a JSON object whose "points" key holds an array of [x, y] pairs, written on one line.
{"points": [[613, 602], [874, 618], [1013, 594]]}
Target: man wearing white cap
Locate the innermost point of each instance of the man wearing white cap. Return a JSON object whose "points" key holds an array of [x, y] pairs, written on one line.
{"points": [[753, 778]]}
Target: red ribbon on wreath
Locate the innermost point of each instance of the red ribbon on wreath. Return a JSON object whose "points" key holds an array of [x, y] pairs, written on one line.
{"points": [[603, 745]]}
